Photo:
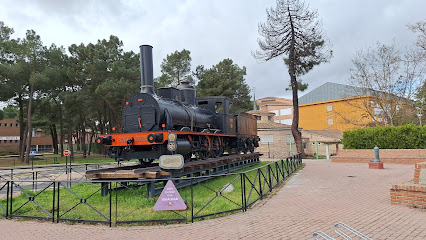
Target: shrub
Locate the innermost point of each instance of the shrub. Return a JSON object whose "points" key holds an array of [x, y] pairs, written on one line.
{"points": [[403, 137]]}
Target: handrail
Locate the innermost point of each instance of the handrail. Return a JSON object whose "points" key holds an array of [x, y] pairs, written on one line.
{"points": [[350, 229]]}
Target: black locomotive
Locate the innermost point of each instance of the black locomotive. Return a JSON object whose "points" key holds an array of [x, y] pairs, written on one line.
{"points": [[175, 121]]}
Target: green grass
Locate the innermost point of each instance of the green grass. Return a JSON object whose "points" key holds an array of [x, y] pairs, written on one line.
{"points": [[132, 203]]}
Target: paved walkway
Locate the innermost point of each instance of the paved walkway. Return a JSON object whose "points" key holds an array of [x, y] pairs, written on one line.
{"points": [[319, 196]]}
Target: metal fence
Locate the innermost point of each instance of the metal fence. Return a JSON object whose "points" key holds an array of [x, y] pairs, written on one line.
{"points": [[128, 201]]}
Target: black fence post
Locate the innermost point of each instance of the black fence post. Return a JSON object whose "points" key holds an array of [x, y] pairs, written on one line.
{"points": [[259, 172], [192, 201], [7, 199], [53, 200], [11, 199], [270, 177], [57, 207], [116, 201], [110, 205], [242, 192]]}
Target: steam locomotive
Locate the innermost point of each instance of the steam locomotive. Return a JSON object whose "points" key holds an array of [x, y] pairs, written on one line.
{"points": [[175, 121]]}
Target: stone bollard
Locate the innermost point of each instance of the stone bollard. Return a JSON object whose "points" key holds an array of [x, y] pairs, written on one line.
{"points": [[376, 163]]}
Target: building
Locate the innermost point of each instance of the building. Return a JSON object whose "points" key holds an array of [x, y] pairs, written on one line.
{"points": [[276, 140], [325, 142], [281, 107], [338, 106], [9, 135], [10, 139]]}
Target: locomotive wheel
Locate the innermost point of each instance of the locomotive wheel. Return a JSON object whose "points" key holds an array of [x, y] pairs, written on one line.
{"points": [[250, 146], [204, 148], [245, 148], [217, 149]]}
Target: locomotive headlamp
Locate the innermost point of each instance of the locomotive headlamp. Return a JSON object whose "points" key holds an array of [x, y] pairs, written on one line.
{"points": [[171, 146], [172, 137]]}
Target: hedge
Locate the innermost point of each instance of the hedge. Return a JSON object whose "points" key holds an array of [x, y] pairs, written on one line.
{"points": [[403, 137]]}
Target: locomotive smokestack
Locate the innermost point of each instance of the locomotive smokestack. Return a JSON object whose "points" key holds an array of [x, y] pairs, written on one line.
{"points": [[147, 77]]}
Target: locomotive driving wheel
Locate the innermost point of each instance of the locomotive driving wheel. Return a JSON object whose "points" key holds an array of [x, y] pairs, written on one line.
{"points": [[217, 148], [204, 152]]}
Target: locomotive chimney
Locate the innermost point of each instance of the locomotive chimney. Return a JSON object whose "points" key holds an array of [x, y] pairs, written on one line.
{"points": [[147, 77]]}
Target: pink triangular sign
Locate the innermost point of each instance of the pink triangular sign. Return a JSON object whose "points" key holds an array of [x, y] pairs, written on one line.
{"points": [[169, 199]]}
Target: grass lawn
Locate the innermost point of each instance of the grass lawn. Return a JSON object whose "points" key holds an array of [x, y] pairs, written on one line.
{"points": [[131, 203]]}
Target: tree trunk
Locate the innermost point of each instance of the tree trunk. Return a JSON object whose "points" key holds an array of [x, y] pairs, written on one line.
{"points": [[90, 143], [83, 142], [61, 129], [22, 127], [29, 125], [297, 135], [22, 147], [54, 134], [69, 136]]}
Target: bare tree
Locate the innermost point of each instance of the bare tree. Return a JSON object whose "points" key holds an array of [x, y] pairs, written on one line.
{"points": [[293, 31], [389, 77], [419, 28]]}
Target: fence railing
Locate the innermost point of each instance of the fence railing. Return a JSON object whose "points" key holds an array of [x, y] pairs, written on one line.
{"points": [[128, 202]]}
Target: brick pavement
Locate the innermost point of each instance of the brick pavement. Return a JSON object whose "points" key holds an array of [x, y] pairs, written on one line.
{"points": [[316, 198]]}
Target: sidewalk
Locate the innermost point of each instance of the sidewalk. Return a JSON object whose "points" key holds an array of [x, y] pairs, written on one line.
{"points": [[320, 195]]}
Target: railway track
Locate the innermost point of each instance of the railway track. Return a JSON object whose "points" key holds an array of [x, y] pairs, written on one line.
{"points": [[154, 171], [155, 174]]}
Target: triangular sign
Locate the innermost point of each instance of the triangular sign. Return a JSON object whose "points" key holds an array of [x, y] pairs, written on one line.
{"points": [[169, 199]]}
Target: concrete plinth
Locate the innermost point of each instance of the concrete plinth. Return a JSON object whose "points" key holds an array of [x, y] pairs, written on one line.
{"points": [[375, 165]]}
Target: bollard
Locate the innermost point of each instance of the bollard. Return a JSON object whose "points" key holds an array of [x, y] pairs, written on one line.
{"points": [[376, 163], [376, 154], [55, 159]]}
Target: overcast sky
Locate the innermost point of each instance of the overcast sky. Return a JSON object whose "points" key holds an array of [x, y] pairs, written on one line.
{"points": [[216, 29]]}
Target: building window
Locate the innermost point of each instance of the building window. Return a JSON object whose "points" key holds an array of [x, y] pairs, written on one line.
{"points": [[330, 121], [11, 124], [17, 125], [329, 108], [16, 141], [285, 111], [266, 139], [258, 118], [289, 138], [286, 121], [5, 141], [269, 118], [274, 111]]}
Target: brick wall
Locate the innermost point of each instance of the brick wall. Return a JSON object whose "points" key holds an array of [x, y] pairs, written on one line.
{"points": [[409, 195], [399, 156], [420, 173]]}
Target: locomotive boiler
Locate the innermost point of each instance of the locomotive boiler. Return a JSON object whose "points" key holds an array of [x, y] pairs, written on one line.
{"points": [[175, 121]]}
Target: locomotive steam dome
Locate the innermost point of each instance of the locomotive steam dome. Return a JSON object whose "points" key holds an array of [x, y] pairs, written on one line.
{"points": [[187, 92]]}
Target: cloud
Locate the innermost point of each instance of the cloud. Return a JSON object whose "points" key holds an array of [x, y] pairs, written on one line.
{"points": [[215, 30]]}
